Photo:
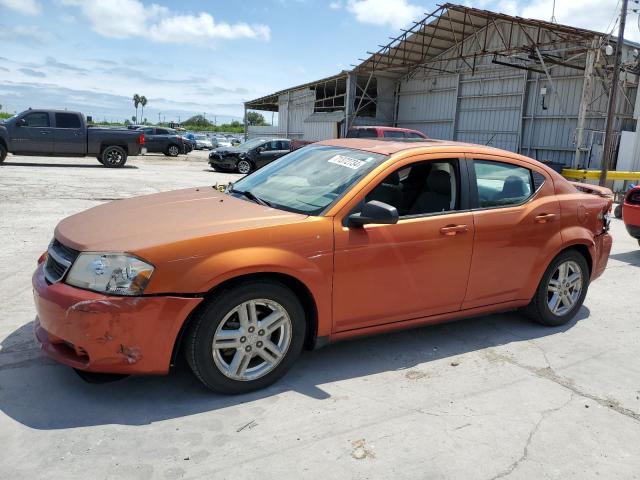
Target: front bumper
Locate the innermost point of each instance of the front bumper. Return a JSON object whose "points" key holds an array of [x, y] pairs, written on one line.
{"points": [[225, 163], [107, 334]]}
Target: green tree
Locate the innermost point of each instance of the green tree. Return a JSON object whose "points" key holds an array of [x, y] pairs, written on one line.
{"points": [[255, 118], [143, 102], [198, 121], [136, 103]]}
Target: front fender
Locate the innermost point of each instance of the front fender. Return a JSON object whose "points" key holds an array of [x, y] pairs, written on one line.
{"points": [[201, 275]]}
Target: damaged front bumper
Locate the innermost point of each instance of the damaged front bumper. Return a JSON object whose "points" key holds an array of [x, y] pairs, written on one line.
{"points": [[107, 334]]}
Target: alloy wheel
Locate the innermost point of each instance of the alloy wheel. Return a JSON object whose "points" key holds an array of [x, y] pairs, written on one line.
{"points": [[252, 339], [173, 150], [564, 288], [113, 157], [244, 166]]}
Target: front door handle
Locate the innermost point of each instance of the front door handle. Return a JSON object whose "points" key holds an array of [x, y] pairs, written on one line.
{"points": [[44, 133], [451, 230], [545, 217]]}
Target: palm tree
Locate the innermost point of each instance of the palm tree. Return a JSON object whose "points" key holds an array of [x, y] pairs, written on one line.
{"points": [[136, 102], [143, 102]]}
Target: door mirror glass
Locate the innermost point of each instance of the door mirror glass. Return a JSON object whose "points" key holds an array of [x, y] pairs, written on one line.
{"points": [[374, 212]]}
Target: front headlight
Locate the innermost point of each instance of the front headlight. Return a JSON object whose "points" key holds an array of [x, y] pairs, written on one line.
{"points": [[112, 273]]}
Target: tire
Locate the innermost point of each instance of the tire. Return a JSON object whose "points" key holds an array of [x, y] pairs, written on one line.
{"points": [[173, 150], [244, 166], [114, 157], [617, 212], [242, 367], [554, 309], [3, 153]]}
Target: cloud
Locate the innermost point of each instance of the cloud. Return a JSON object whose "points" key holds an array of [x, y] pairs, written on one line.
{"points": [[4, 69], [335, 5], [53, 63], [394, 13], [25, 34], [25, 7], [132, 18], [32, 73]]}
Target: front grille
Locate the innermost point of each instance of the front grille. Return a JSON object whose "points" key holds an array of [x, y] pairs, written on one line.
{"points": [[59, 260]]}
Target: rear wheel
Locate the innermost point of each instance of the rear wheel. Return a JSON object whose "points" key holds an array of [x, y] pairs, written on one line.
{"points": [[173, 151], [114, 157], [561, 291], [3, 152], [247, 337], [617, 212]]}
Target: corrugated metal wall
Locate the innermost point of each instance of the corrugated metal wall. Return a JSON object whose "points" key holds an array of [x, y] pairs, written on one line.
{"points": [[293, 109], [504, 106]]}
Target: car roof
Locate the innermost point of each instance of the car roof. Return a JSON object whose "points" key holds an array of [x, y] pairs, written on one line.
{"points": [[419, 145]]}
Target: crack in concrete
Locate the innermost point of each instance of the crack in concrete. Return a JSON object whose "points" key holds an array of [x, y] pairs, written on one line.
{"points": [[525, 451], [549, 374]]}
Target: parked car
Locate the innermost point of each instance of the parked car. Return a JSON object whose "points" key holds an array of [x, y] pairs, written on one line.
{"points": [[384, 132], [223, 142], [338, 239], [61, 133], [164, 140], [631, 212], [203, 142], [250, 155]]}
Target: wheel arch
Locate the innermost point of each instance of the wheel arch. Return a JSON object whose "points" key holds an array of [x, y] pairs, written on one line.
{"points": [[105, 145], [299, 288]]}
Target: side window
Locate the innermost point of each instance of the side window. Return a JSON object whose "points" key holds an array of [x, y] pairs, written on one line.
{"points": [[367, 133], [394, 134], [67, 120], [40, 119], [422, 188], [414, 135], [500, 184], [286, 145], [161, 131], [147, 131]]}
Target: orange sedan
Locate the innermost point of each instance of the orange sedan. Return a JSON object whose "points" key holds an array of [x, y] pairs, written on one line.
{"points": [[338, 239]]}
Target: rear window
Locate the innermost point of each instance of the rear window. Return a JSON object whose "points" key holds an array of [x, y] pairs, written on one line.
{"points": [[394, 134], [362, 133], [67, 120]]}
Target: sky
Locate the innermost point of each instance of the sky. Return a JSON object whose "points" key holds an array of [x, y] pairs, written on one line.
{"points": [[208, 57]]}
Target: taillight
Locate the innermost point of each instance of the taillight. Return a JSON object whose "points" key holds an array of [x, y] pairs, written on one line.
{"points": [[141, 139], [633, 197]]}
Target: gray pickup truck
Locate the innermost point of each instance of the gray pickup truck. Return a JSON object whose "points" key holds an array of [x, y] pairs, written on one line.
{"points": [[60, 133]]}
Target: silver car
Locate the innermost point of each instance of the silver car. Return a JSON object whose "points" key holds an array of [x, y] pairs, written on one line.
{"points": [[203, 142]]}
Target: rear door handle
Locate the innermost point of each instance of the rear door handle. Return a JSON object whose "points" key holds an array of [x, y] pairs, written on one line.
{"points": [[545, 217], [451, 230]]}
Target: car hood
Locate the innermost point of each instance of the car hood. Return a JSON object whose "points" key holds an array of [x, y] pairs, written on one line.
{"points": [[227, 151], [145, 222]]}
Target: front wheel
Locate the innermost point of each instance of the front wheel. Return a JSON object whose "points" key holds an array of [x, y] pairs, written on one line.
{"points": [[617, 212], [173, 151], [561, 291], [247, 337], [3, 152], [114, 157], [244, 166]]}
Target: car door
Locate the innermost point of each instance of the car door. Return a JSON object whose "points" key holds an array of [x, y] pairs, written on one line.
{"points": [[517, 228], [267, 154], [68, 134], [415, 268], [34, 135]]}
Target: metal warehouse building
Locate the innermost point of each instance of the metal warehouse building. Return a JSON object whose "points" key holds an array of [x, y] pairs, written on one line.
{"points": [[534, 87]]}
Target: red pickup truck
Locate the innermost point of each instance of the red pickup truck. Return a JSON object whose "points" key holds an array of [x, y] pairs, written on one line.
{"points": [[384, 132], [631, 212]]}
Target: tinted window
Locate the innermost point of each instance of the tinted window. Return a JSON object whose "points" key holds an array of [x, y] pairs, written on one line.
{"points": [[286, 145], [367, 133], [147, 131], [501, 184], [37, 119], [414, 135], [67, 120], [393, 134], [422, 188], [161, 131]]}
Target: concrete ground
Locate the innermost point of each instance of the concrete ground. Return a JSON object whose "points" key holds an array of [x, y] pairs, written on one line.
{"points": [[486, 398]]}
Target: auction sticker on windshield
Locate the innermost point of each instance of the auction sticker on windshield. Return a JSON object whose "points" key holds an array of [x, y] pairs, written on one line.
{"points": [[352, 163]]}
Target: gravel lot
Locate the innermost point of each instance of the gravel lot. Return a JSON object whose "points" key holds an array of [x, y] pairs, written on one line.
{"points": [[486, 398]]}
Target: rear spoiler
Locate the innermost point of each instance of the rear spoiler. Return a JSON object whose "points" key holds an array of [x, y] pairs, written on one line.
{"points": [[603, 192]]}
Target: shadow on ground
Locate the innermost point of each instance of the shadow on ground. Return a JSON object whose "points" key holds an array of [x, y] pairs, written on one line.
{"points": [[632, 258], [43, 395], [58, 165]]}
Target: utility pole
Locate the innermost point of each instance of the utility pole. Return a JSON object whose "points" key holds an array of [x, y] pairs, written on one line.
{"points": [[158, 118], [611, 111]]}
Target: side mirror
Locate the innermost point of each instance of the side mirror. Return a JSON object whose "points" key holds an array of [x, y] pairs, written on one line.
{"points": [[21, 122], [260, 149], [374, 212]]}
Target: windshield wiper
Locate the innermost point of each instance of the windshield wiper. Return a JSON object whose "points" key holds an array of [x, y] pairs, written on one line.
{"points": [[252, 197]]}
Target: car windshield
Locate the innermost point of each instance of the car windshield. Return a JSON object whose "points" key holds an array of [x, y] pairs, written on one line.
{"points": [[310, 179], [249, 144]]}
